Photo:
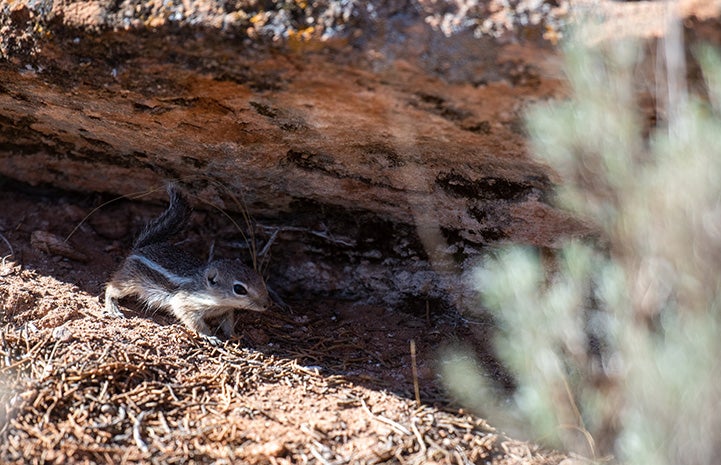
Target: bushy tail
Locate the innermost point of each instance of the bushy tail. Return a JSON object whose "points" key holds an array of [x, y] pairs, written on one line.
{"points": [[169, 223]]}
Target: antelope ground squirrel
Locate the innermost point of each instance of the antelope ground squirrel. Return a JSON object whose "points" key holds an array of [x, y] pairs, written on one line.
{"points": [[164, 277]]}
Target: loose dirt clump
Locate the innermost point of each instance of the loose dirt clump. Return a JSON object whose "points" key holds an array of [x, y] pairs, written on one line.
{"points": [[323, 383]]}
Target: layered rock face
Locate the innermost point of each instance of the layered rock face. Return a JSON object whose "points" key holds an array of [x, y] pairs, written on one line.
{"points": [[381, 161]]}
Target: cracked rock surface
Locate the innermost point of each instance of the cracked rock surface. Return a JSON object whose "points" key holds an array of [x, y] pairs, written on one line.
{"points": [[381, 156]]}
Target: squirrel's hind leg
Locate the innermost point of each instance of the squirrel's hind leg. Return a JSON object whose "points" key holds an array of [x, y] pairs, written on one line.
{"points": [[112, 294]]}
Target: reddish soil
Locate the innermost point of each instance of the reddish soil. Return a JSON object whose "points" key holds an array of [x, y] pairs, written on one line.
{"points": [[323, 382]]}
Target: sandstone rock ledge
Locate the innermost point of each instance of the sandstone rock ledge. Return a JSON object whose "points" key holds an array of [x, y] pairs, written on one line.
{"points": [[381, 162]]}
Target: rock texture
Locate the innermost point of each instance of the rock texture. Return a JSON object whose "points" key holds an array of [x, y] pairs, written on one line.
{"points": [[380, 156]]}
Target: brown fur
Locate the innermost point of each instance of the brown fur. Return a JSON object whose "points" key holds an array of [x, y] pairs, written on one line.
{"points": [[164, 277]]}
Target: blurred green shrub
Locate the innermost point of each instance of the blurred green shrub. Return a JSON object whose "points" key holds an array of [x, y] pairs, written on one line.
{"points": [[617, 347]]}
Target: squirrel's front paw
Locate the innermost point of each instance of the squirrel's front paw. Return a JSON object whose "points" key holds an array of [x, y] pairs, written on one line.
{"points": [[213, 340]]}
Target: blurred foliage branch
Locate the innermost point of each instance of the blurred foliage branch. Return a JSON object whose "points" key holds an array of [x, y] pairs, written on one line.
{"points": [[615, 347]]}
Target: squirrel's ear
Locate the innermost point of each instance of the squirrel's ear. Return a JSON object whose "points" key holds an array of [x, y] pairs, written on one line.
{"points": [[211, 274]]}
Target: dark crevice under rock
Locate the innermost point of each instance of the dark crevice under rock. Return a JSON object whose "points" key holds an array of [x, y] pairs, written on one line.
{"points": [[371, 157]]}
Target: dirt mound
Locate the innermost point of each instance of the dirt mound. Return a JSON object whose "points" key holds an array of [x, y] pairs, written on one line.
{"points": [[324, 383]]}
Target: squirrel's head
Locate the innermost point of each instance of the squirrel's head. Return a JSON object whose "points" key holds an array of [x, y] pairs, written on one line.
{"points": [[233, 284]]}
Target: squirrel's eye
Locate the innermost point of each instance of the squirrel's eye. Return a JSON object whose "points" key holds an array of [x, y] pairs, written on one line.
{"points": [[212, 280], [239, 289]]}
